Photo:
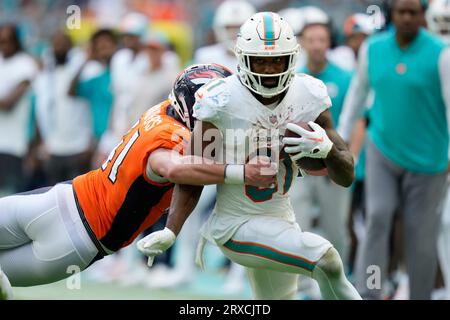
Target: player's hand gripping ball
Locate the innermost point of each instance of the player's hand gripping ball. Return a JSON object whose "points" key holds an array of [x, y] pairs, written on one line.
{"points": [[312, 165]]}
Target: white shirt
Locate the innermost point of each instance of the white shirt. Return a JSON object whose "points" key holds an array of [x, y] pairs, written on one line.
{"points": [[14, 123], [151, 88], [133, 82], [64, 121]]}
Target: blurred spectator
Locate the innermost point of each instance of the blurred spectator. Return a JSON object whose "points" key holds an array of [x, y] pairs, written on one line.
{"points": [[93, 80], [64, 122], [154, 84], [357, 28], [299, 19], [228, 18], [410, 92], [339, 10], [17, 70], [126, 65]]}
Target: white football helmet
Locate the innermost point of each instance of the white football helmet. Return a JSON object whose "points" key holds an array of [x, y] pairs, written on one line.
{"points": [[231, 13], [438, 19], [266, 34], [313, 15], [295, 18]]}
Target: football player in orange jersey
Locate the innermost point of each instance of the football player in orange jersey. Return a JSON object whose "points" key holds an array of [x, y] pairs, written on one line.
{"points": [[46, 231]]}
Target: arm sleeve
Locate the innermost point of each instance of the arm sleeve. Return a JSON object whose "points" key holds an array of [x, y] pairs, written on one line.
{"points": [[354, 102], [444, 73]]}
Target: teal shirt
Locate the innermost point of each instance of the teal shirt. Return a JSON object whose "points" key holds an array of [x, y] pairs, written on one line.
{"points": [[408, 118], [97, 90], [337, 81], [360, 166]]}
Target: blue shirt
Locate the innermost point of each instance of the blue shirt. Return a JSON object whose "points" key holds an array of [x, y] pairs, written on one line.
{"points": [[97, 90], [408, 118], [337, 81]]}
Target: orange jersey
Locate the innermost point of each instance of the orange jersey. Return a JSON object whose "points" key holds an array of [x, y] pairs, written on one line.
{"points": [[119, 200]]}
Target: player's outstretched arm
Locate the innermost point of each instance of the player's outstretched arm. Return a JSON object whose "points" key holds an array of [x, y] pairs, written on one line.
{"points": [[339, 160], [187, 193], [202, 169], [195, 170]]}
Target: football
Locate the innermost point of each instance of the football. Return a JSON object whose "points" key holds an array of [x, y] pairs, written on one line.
{"points": [[306, 163]]}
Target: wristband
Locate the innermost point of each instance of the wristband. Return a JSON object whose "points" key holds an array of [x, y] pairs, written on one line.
{"points": [[234, 174]]}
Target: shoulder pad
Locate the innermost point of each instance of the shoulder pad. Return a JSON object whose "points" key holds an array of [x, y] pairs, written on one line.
{"points": [[168, 134], [214, 93], [314, 86], [210, 99]]}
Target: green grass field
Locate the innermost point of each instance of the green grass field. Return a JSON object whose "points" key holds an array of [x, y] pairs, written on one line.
{"points": [[206, 286]]}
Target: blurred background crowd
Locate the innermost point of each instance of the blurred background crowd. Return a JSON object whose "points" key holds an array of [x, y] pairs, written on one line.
{"points": [[76, 74]]}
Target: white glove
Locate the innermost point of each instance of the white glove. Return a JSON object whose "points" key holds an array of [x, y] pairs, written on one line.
{"points": [[156, 243], [312, 144]]}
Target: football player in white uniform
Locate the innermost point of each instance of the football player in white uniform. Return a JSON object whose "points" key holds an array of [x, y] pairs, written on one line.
{"points": [[256, 227]]}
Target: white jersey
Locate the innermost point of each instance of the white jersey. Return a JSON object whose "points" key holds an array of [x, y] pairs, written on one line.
{"points": [[14, 123], [216, 53], [247, 125]]}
